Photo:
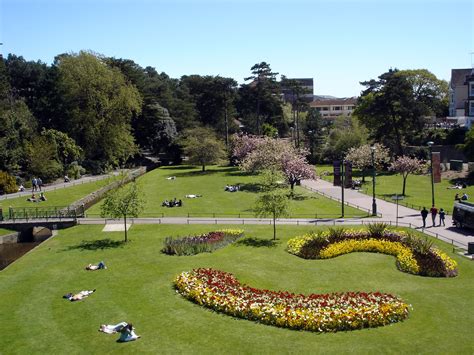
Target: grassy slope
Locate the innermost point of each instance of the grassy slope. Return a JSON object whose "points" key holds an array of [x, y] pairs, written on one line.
{"points": [[137, 288], [215, 200], [418, 188], [5, 231], [59, 197]]}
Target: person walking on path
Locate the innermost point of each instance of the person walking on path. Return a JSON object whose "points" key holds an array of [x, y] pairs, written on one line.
{"points": [[434, 212], [442, 215], [40, 184], [424, 214], [34, 186]]}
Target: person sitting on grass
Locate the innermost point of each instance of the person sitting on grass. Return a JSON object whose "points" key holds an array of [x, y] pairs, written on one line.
{"points": [[464, 197], [99, 266], [78, 296], [32, 198], [127, 333], [42, 197]]}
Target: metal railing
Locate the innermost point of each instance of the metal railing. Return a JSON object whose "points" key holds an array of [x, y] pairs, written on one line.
{"points": [[368, 210], [54, 212]]}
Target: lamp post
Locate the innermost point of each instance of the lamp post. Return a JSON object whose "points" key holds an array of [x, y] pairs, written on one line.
{"points": [[374, 202], [430, 146], [342, 188]]}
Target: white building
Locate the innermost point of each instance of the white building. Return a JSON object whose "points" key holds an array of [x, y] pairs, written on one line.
{"points": [[332, 108], [461, 97]]}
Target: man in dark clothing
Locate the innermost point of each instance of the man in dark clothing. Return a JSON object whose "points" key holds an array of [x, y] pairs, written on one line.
{"points": [[434, 212], [424, 214]]}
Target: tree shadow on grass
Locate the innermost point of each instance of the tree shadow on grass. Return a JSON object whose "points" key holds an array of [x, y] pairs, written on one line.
{"points": [[199, 172], [98, 244], [250, 187], [257, 243], [300, 197]]}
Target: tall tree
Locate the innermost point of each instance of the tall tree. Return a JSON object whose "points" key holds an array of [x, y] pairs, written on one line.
{"points": [[297, 103], [316, 132], [394, 107], [260, 93], [99, 105]]}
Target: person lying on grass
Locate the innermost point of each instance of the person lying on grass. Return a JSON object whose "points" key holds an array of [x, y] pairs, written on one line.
{"points": [[78, 296], [99, 266], [127, 332], [193, 196]]}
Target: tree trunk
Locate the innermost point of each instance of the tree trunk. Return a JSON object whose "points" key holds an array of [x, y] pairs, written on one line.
{"points": [[203, 167], [125, 225], [274, 227], [292, 185], [404, 185], [363, 175]]}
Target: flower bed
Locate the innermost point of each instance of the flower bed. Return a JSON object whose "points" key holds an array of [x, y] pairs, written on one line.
{"points": [[332, 312], [414, 255], [196, 244]]}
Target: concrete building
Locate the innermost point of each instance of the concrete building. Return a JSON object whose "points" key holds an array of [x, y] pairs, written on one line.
{"points": [[306, 83], [461, 97], [332, 108]]}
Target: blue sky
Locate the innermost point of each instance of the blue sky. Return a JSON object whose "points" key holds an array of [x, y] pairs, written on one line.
{"points": [[338, 43]]}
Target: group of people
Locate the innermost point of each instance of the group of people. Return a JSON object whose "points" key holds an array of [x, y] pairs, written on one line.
{"points": [[34, 198], [458, 186], [464, 197], [232, 188], [126, 330], [172, 203], [434, 212], [36, 184]]}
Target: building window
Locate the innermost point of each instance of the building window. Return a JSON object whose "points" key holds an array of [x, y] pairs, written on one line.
{"points": [[471, 108], [325, 108], [471, 89], [337, 108]]}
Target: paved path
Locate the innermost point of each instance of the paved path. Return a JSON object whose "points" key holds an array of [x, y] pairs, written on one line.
{"points": [[60, 185], [406, 216]]}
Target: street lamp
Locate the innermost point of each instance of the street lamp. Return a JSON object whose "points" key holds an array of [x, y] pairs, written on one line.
{"points": [[430, 146], [374, 203]]}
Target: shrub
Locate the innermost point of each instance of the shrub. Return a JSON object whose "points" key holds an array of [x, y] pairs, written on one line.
{"points": [[75, 171], [7, 183], [203, 243], [377, 229]]}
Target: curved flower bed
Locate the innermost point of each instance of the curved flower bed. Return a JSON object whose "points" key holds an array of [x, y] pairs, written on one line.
{"points": [[202, 243], [222, 292], [414, 255]]}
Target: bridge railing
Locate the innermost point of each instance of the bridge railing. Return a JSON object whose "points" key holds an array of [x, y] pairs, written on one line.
{"points": [[40, 212]]}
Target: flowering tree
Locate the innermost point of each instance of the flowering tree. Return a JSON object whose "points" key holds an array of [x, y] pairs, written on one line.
{"points": [[361, 157], [405, 165], [267, 154], [296, 168], [242, 145]]}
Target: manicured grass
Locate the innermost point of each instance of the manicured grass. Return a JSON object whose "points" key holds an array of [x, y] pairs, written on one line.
{"points": [[59, 197], [418, 188], [137, 287], [217, 202], [5, 231]]}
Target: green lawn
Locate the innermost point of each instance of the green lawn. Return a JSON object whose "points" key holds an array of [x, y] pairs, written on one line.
{"points": [[5, 231], [59, 197], [137, 287], [217, 202], [418, 188]]}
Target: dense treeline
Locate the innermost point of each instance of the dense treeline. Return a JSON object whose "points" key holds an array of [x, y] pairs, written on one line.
{"points": [[94, 112], [88, 112]]}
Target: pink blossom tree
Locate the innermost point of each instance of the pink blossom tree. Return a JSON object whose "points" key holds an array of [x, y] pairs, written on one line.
{"points": [[361, 157], [259, 154], [296, 168], [242, 145], [405, 166]]}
